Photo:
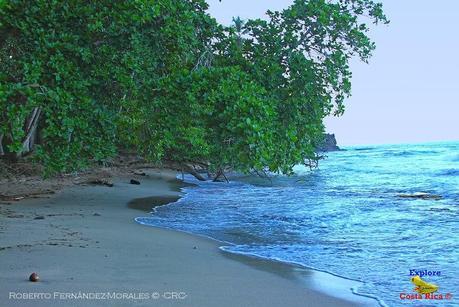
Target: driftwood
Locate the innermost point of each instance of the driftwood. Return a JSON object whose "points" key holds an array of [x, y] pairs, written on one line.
{"points": [[94, 179], [27, 195]]}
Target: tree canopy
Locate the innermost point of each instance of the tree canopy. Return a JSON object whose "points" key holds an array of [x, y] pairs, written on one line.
{"points": [[80, 79]]}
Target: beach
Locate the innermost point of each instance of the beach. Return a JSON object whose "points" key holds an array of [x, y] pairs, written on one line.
{"points": [[87, 249]]}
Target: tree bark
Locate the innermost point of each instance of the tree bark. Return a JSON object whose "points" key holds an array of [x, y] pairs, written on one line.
{"points": [[31, 132], [190, 169], [219, 174], [2, 152]]}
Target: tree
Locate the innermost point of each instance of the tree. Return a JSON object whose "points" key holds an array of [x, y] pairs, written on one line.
{"points": [[238, 25], [297, 65], [83, 72], [306, 50], [163, 78]]}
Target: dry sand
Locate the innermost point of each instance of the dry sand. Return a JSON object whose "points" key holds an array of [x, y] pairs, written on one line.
{"points": [[84, 241]]}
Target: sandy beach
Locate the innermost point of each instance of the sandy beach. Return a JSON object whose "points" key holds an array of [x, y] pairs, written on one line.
{"points": [[88, 251]]}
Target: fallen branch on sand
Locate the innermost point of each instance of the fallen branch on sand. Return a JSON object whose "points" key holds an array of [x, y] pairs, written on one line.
{"points": [[4, 197], [96, 181]]}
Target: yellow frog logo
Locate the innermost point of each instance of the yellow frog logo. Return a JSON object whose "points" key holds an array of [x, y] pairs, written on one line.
{"points": [[422, 286]]}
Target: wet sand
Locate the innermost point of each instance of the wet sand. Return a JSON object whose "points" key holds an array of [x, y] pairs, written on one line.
{"points": [[88, 251]]}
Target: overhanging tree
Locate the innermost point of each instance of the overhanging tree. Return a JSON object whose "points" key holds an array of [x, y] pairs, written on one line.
{"points": [[163, 78]]}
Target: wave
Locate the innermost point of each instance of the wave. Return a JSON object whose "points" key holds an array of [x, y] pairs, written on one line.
{"points": [[231, 248], [364, 148], [449, 172], [404, 153], [346, 208]]}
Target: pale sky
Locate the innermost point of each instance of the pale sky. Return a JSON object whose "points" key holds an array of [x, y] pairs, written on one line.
{"points": [[409, 92]]}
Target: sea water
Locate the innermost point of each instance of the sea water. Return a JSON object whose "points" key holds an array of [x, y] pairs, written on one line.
{"points": [[346, 217]]}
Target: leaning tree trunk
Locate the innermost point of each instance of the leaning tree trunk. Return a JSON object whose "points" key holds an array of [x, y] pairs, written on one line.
{"points": [[220, 174], [2, 152], [190, 169], [31, 133]]}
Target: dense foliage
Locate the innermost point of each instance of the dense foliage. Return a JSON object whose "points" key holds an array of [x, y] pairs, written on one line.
{"points": [[81, 79]]}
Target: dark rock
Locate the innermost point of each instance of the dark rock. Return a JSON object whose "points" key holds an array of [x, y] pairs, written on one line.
{"points": [[328, 143], [439, 209], [133, 181], [96, 214], [15, 216], [420, 195]]}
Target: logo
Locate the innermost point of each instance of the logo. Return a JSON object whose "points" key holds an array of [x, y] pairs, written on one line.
{"points": [[423, 289], [422, 286]]}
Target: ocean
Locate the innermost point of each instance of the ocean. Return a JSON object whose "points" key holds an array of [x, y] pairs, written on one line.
{"points": [[346, 218]]}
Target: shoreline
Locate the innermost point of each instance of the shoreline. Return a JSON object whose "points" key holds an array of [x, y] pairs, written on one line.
{"points": [[324, 282], [85, 239]]}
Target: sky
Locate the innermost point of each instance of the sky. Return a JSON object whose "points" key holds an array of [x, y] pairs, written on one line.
{"points": [[409, 91]]}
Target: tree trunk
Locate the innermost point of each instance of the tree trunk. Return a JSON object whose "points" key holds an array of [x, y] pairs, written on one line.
{"points": [[190, 169], [2, 152], [219, 174], [31, 132]]}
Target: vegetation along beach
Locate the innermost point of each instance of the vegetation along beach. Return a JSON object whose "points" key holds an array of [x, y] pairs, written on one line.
{"points": [[179, 153]]}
